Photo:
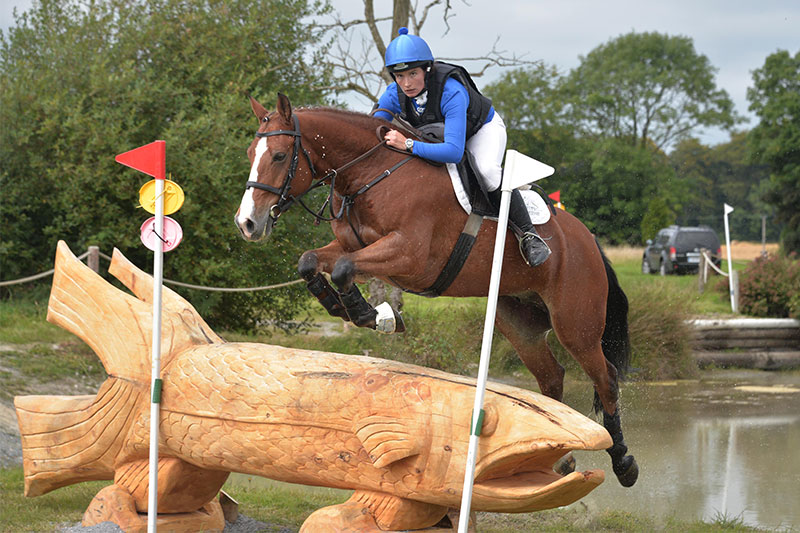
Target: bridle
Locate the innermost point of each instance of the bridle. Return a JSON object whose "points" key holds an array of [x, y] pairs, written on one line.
{"points": [[285, 200]]}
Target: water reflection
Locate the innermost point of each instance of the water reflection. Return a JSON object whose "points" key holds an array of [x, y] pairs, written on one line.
{"points": [[710, 448]]}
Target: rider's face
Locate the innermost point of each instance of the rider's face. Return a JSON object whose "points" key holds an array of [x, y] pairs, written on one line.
{"points": [[411, 81]]}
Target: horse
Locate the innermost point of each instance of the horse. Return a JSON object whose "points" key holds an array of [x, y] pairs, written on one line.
{"points": [[395, 217]]}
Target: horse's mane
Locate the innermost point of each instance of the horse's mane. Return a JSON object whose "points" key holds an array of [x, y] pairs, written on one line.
{"points": [[354, 118]]}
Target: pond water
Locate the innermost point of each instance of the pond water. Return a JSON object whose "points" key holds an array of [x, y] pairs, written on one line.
{"points": [[727, 446]]}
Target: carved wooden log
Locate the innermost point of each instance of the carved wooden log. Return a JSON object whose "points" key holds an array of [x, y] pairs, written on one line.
{"points": [[396, 434]]}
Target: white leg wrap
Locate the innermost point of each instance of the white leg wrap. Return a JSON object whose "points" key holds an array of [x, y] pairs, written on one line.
{"points": [[385, 321]]}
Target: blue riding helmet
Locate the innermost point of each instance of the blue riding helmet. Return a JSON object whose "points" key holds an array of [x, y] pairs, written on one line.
{"points": [[407, 51]]}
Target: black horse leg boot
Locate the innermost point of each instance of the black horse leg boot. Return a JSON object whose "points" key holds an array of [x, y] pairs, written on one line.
{"points": [[532, 247]]}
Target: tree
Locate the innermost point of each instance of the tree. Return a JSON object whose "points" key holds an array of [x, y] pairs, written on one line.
{"points": [[712, 176], [610, 187], [775, 98], [647, 88], [81, 82], [359, 45], [531, 102]]}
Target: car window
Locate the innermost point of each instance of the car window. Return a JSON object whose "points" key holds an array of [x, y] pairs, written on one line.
{"points": [[696, 239], [662, 238]]}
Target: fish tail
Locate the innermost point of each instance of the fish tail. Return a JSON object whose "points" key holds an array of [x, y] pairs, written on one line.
{"points": [[116, 325]]}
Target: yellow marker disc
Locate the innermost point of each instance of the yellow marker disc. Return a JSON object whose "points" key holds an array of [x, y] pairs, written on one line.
{"points": [[173, 197]]}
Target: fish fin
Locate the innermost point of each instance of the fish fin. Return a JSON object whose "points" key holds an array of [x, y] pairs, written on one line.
{"points": [[386, 439], [394, 513], [374, 511], [71, 439], [116, 325], [141, 284]]}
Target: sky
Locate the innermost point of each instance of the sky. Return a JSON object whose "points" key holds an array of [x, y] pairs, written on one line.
{"points": [[735, 35]]}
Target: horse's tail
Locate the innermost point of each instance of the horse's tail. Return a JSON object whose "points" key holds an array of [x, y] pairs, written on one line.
{"points": [[615, 341]]}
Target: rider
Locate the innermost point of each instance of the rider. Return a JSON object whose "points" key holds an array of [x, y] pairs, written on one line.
{"points": [[429, 92]]}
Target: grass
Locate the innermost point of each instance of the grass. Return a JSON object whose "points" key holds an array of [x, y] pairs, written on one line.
{"points": [[44, 363], [443, 332], [286, 506], [20, 514], [22, 321]]}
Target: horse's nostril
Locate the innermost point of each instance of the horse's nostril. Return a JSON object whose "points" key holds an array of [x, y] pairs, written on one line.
{"points": [[249, 226]]}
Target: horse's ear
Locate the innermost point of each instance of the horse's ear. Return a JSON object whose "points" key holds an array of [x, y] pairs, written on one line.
{"points": [[284, 107], [258, 109]]}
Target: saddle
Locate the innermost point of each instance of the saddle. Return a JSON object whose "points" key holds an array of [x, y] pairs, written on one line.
{"points": [[480, 203], [471, 194]]}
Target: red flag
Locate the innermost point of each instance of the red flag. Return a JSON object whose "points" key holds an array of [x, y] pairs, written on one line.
{"points": [[556, 196], [150, 159]]}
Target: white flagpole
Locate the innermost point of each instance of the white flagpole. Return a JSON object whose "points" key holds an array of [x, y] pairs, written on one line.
{"points": [[728, 210], [155, 387], [519, 170]]}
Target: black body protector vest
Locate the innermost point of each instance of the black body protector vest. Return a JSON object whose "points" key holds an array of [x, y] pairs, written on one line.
{"points": [[477, 110]]}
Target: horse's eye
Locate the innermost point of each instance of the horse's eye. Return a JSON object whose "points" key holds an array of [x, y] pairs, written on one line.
{"points": [[280, 156]]}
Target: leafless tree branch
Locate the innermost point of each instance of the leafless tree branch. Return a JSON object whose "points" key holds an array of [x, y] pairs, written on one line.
{"points": [[362, 71]]}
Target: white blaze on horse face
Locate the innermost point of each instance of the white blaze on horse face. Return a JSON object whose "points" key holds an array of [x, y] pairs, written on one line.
{"points": [[248, 207]]}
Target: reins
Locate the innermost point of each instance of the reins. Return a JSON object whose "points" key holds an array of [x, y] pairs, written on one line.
{"points": [[286, 200]]}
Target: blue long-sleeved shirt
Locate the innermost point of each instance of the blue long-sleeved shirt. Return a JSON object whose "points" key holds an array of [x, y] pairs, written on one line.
{"points": [[455, 100]]}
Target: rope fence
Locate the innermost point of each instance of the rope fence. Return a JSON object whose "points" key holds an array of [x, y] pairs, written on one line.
{"points": [[702, 277], [710, 263], [93, 254]]}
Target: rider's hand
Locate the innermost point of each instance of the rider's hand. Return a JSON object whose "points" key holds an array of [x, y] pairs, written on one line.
{"points": [[395, 139]]}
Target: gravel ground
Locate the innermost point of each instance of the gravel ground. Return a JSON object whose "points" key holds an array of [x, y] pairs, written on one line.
{"points": [[242, 525], [10, 445], [10, 450]]}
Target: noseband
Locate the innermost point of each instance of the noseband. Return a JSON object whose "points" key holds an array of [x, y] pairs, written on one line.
{"points": [[284, 198]]}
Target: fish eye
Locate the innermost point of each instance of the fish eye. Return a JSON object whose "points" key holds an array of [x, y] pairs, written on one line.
{"points": [[490, 419]]}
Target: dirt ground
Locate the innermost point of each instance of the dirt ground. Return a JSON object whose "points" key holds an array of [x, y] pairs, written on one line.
{"points": [[747, 251], [740, 251]]}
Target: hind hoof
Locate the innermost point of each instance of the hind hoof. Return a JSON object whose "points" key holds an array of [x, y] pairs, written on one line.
{"points": [[627, 471], [565, 465]]}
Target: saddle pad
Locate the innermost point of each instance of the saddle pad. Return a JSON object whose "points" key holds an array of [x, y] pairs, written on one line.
{"points": [[537, 208]]}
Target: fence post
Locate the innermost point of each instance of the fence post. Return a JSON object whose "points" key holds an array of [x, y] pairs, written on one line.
{"points": [[701, 272], [93, 259]]}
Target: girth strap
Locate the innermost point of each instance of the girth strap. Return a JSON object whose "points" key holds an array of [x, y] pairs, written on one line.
{"points": [[457, 258]]}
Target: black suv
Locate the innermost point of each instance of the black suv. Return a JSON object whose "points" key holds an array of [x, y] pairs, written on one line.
{"points": [[676, 250]]}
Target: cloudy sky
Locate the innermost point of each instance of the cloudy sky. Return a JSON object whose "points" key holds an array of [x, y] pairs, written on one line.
{"points": [[735, 35]]}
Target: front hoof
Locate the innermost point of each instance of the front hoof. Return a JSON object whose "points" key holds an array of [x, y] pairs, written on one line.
{"points": [[307, 265], [627, 471]]}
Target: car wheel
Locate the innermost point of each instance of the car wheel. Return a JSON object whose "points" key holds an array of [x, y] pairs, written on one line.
{"points": [[646, 266], [663, 268]]}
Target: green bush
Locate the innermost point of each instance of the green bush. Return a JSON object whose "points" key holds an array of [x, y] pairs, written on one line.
{"points": [[83, 81], [660, 336], [770, 287]]}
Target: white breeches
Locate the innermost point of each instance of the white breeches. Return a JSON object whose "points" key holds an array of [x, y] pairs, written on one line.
{"points": [[488, 146]]}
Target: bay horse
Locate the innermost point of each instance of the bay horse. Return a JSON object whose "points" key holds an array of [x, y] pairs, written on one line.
{"points": [[395, 217]]}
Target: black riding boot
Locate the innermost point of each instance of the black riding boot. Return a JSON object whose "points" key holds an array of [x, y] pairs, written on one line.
{"points": [[532, 247]]}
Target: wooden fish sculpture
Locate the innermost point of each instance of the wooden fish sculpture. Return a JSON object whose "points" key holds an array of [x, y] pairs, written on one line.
{"points": [[396, 434]]}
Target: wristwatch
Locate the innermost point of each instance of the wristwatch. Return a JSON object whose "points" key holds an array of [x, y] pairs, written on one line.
{"points": [[409, 145]]}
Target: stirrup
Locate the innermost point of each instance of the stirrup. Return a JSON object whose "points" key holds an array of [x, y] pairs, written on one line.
{"points": [[540, 249]]}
